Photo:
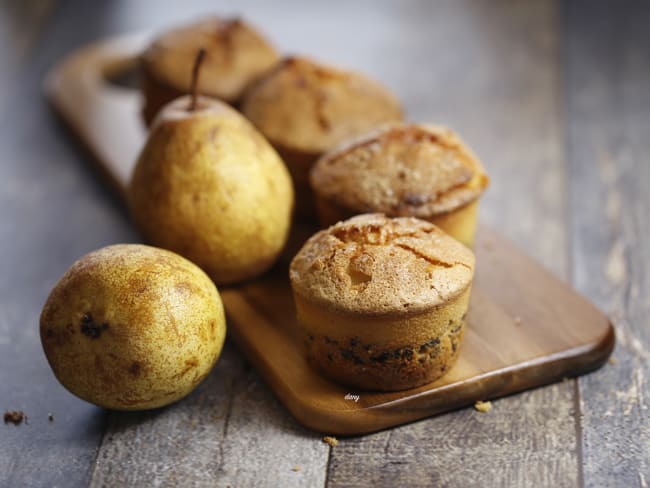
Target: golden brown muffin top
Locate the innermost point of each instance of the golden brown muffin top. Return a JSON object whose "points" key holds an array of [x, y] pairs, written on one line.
{"points": [[372, 264], [310, 107], [413, 170], [235, 54]]}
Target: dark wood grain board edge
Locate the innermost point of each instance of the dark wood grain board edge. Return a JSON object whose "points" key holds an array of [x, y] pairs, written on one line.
{"points": [[495, 384], [607, 54]]}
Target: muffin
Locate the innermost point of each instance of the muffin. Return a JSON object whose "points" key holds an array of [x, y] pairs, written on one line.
{"points": [[305, 108], [413, 170], [381, 302], [236, 54]]}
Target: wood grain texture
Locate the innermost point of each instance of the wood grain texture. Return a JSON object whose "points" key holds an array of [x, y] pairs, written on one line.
{"points": [[53, 211], [228, 432], [525, 328], [502, 92], [39, 189], [508, 346], [49, 203], [608, 59]]}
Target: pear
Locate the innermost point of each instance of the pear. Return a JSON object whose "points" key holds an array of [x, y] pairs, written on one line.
{"points": [[132, 327], [208, 186]]}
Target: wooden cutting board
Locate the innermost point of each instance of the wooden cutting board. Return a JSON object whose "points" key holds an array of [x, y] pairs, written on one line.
{"points": [[525, 328]]}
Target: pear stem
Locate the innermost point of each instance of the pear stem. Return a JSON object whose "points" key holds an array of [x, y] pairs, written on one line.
{"points": [[195, 78]]}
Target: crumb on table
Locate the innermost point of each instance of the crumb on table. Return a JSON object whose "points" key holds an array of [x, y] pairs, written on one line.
{"points": [[517, 321], [50, 417], [296, 468], [483, 406], [15, 417], [332, 441], [612, 360]]}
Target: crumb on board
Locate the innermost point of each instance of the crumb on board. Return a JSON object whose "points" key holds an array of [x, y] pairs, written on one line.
{"points": [[50, 417], [517, 321], [296, 468], [483, 406], [332, 441], [612, 360], [15, 417]]}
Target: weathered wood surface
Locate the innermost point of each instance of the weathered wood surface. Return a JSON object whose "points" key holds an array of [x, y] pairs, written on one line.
{"points": [[44, 200], [508, 106], [502, 91], [53, 211], [525, 327], [230, 431], [608, 95]]}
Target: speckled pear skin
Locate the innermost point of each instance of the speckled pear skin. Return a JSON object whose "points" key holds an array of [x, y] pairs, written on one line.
{"points": [[208, 186], [132, 327]]}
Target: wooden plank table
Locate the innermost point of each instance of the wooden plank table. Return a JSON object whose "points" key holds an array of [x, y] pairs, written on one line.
{"points": [[555, 98]]}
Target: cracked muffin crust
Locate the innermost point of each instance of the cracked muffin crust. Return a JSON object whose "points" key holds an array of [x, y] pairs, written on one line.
{"points": [[381, 301], [236, 55], [415, 170], [305, 108]]}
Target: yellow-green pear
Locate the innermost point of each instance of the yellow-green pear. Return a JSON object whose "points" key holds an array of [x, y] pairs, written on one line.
{"points": [[208, 186], [132, 327]]}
